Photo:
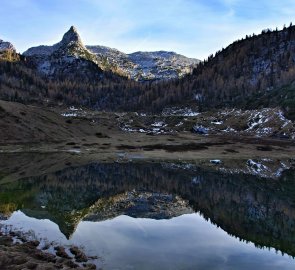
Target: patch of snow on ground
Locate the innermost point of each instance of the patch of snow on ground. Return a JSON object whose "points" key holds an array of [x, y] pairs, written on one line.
{"points": [[217, 122], [191, 113], [159, 124], [69, 114], [229, 129], [283, 119], [179, 112], [255, 120], [128, 129], [155, 130], [76, 151], [177, 166], [256, 165], [72, 108], [267, 160], [282, 169], [263, 131]]}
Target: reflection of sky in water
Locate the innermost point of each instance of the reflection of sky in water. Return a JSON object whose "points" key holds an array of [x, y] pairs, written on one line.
{"points": [[185, 242]]}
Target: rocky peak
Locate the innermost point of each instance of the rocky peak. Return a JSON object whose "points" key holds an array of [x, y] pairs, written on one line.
{"points": [[72, 37], [69, 57], [6, 46], [8, 52]]}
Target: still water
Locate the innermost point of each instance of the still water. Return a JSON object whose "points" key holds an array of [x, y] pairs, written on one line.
{"points": [[157, 216]]}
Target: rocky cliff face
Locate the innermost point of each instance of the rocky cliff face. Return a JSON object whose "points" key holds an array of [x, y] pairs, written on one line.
{"points": [[142, 66], [71, 43], [71, 55], [161, 65], [4, 46], [7, 51], [67, 57]]}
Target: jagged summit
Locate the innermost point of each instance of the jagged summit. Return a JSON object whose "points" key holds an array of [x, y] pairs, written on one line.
{"points": [[8, 51], [72, 36], [68, 58], [73, 29], [69, 39], [5, 45]]}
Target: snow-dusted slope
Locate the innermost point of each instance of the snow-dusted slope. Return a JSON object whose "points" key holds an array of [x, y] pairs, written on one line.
{"points": [[67, 57], [115, 60], [143, 66], [161, 65], [139, 66]]}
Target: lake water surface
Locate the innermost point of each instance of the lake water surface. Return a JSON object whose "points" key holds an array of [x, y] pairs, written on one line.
{"points": [[157, 216]]}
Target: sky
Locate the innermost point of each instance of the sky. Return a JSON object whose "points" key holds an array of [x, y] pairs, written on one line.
{"points": [[194, 28]]}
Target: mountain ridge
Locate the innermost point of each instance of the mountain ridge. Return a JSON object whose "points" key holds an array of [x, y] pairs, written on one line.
{"points": [[252, 73], [66, 57], [139, 66], [154, 65]]}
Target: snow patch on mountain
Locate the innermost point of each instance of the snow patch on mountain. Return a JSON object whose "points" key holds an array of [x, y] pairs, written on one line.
{"points": [[142, 66]]}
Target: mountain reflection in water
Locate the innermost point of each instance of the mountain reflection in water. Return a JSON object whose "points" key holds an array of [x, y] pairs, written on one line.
{"points": [[155, 216]]}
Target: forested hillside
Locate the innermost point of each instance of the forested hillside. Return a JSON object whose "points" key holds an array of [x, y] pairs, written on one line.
{"points": [[248, 73], [254, 72], [19, 82]]}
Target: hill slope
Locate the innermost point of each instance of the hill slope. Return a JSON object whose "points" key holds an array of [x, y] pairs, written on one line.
{"points": [[249, 69]]}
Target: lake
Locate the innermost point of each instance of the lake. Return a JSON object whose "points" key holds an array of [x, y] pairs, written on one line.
{"points": [[147, 215]]}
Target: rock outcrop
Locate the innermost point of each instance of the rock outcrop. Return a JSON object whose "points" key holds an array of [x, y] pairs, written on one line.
{"points": [[6, 46], [7, 51], [143, 66], [68, 57]]}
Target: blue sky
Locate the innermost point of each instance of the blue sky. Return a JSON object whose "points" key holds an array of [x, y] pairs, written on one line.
{"points": [[195, 28]]}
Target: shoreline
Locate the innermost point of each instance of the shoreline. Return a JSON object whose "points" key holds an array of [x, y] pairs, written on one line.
{"points": [[18, 252], [236, 154]]}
